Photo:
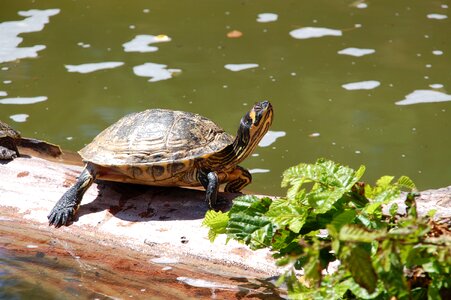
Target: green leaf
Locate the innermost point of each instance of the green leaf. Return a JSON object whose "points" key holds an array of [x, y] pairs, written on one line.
{"points": [[393, 209], [250, 202], [346, 217], [406, 182], [357, 233], [358, 261], [254, 230], [362, 293], [284, 212], [217, 222], [384, 181]]}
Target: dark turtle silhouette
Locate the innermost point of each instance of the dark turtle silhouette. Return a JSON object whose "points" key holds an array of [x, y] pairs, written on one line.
{"points": [[10, 139]]}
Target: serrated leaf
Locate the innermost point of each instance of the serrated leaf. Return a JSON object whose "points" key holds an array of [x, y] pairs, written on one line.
{"points": [[285, 212], [217, 223], [358, 261], [406, 182], [254, 230], [244, 202], [356, 233], [346, 217], [384, 181], [323, 200]]}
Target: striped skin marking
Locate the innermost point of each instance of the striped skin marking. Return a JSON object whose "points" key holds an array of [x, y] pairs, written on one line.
{"points": [[237, 180]]}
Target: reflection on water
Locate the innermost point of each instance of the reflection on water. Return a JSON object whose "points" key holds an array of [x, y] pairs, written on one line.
{"points": [[140, 43], [240, 67], [314, 32], [155, 72], [9, 33], [271, 137], [19, 117], [88, 68], [356, 51], [267, 17], [23, 100], [424, 96], [362, 85], [437, 16]]}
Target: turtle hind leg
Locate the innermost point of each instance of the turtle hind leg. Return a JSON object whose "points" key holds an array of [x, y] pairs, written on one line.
{"points": [[238, 179], [64, 210]]}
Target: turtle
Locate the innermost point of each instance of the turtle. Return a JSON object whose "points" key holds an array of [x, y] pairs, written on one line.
{"points": [[10, 139], [163, 147]]}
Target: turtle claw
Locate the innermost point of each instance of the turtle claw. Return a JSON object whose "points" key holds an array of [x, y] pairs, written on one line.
{"points": [[60, 216], [64, 210]]}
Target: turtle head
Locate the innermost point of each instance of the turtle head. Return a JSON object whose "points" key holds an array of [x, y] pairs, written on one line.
{"points": [[258, 120], [254, 125]]}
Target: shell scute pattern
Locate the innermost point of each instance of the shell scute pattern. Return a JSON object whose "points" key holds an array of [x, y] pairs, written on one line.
{"points": [[156, 144]]}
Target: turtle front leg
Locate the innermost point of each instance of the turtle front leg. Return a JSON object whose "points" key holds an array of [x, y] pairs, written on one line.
{"points": [[238, 179], [210, 182], [64, 210]]}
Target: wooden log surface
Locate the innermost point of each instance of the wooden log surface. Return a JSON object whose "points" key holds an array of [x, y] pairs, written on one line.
{"points": [[157, 220]]}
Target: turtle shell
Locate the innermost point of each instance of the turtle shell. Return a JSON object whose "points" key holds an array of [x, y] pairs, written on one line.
{"points": [[156, 137], [8, 131]]}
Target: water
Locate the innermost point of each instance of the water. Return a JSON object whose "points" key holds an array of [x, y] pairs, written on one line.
{"points": [[337, 74], [354, 81]]}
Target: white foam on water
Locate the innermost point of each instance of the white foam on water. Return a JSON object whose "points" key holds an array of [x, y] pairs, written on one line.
{"points": [[314, 32], [156, 72], [240, 67], [92, 67], [270, 137], [140, 43], [356, 51], [362, 85], [257, 171], [436, 85], [10, 31], [424, 96], [3, 94], [267, 17], [19, 118], [437, 16], [23, 100]]}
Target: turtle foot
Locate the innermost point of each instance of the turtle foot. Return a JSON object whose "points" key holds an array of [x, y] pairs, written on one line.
{"points": [[221, 204], [60, 216], [64, 210]]}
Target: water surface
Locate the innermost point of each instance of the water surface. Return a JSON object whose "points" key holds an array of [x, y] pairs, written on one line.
{"points": [[358, 82]]}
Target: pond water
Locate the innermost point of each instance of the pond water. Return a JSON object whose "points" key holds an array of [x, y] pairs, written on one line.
{"points": [[359, 82], [354, 81]]}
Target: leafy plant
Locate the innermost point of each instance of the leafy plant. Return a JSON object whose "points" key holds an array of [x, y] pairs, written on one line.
{"points": [[329, 218]]}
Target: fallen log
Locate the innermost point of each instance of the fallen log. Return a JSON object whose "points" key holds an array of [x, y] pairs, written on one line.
{"points": [[119, 222]]}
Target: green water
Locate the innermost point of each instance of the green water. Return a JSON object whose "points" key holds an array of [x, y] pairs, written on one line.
{"points": [[303, 78]]}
